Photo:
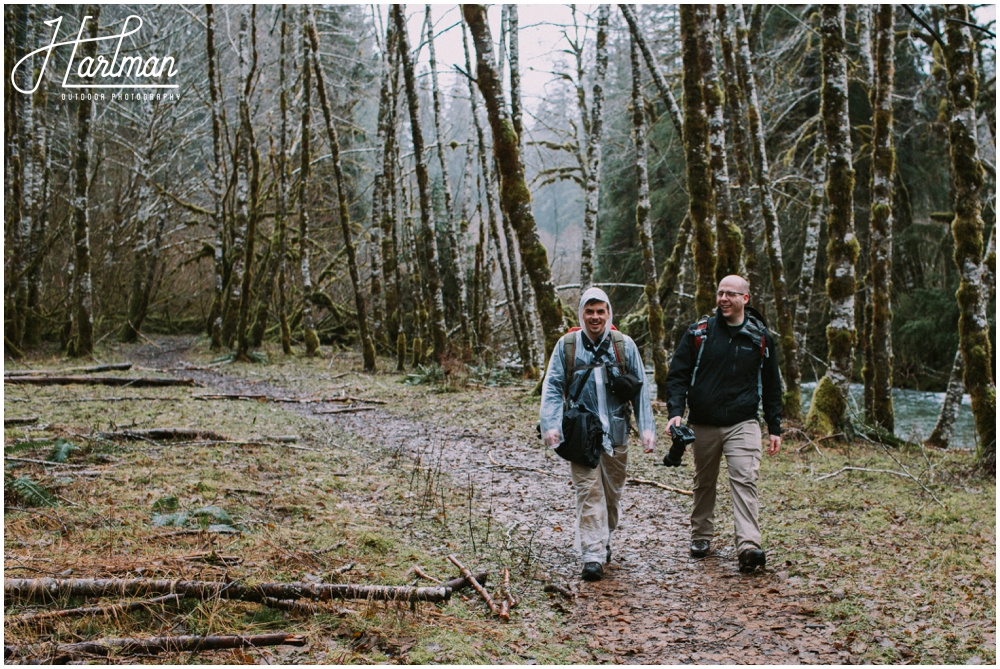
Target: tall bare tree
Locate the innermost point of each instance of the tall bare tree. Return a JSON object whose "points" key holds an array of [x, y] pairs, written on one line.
{"points": [[593, 174], [367, 345], [309, 335], [628, 11], [432, 270], [654, 313], [81, 341], [828, 410]]}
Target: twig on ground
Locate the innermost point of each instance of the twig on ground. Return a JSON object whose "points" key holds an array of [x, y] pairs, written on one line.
{"points": [[14, 420], [905, 475], [47, 463], [558, 589], [109, 609], [421, 574], [475, 584], [657, 484], [344, 410], [519, 468], [136, 382], [163, 644]]}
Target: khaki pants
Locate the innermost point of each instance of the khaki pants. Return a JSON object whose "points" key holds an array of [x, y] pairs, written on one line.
{"points": [[741, 445], [598, 492]]}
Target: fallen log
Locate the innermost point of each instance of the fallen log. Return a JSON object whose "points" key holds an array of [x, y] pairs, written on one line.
{"points": [[105, 610], [158, 644], [345, 410], [163, 434], [461, 583], [657, 484], [508, 599], [47, 463], [137, 382], [475, 584], [13, 420], [42, 588], [111, 367]]}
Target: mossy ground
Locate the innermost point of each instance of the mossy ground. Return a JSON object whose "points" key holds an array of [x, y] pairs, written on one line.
{"points": [[891, 570]]}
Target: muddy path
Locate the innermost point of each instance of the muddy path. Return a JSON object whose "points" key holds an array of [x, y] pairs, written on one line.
{"points": [[656, 605]]}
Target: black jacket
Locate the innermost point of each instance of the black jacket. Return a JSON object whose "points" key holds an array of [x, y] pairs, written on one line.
{"points": [[725, 386]]}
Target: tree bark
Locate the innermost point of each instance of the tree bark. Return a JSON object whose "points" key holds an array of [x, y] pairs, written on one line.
{"points": [[432, 271], [594, 147], [81, 342], [967, 231], [217, 181], [880, 257], [654, 313], [367, 346], [160, 644], [810, 248], [305, 159], [828, 410], [514, 189], [729, 239], [699, 175]]}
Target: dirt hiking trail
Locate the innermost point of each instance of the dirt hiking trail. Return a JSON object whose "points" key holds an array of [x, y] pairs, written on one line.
{"points": [[655, 605]]}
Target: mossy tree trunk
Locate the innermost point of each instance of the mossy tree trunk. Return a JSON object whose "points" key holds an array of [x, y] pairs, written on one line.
{"points": [[248, 144], [367, 345], [828, 410], [456, 247], [432, 270], [699, 175], [667, 284], [654, 313], [390, 208], [967, 231], [513, 188], [309, 335], [81, 341], [748, 207], [729, 239], [593, 174], [792, 398], [217, 187], [880, 256]]}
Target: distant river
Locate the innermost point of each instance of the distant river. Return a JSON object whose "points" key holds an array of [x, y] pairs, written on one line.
{"points": [[916, 413]]}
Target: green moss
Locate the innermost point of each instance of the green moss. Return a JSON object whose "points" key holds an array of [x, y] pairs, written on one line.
{"points": [[400, 351], [828, 409]]}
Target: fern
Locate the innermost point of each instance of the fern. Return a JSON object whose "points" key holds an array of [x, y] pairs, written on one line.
{"points": [[62, 450], [29, 492]]}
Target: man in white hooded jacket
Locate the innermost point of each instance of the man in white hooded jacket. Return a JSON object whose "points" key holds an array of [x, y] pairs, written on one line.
{"points": [[598, 491]]}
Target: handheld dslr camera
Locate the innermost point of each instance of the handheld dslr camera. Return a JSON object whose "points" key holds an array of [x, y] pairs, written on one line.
{"points": [[682, 435]]}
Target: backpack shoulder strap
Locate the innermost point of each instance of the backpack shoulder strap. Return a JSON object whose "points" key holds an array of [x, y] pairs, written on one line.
{"points": [[618, 342], [700, 333]]}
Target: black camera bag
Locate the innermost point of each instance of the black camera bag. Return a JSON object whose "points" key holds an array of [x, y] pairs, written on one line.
{"points": [[582, 433]]}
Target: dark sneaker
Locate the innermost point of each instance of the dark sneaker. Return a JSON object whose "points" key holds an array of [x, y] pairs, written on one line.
{"points": [[593, 571], [700, 548], [750, 559]]}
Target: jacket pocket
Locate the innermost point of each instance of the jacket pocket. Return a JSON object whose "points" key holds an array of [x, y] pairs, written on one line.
{"points": [[618, 427]]}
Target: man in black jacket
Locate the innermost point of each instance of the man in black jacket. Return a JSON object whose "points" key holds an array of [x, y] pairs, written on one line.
{"points": [[722, 368]]}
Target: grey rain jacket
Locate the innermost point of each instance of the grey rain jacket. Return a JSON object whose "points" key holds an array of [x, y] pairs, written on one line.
{"points": [[615, 415]]}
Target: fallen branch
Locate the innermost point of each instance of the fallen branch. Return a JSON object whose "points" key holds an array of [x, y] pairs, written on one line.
{"points": [[47, 463], [421, 574], [345, 410], [905, 475], [137, 382], [290, 605], [659, 485], [508, 599], [557, 589], [159, 644], [164, 434], [91, 610], [134, 398], [246, 442], [26, 420], [519, 468], [475, 584], [41, 588], [112, 367]]}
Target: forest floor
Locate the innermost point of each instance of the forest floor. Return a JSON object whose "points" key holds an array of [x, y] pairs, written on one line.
{"points": [[891, 561]]}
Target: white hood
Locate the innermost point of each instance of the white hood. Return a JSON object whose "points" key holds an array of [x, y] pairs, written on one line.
{"points": [[595, 294]]}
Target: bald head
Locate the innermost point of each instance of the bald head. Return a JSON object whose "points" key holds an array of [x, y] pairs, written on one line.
{"points": [[732, 297]]}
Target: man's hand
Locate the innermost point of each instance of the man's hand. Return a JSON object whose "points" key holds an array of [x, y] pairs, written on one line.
{"points": [[774, 445], [648, 441], [673, 422], [552, 438]]}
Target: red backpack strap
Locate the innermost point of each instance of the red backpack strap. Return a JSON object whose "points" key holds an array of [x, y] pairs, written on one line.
{"points": [[569, 358]]}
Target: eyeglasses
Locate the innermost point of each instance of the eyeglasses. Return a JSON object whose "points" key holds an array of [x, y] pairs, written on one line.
{"points": [[728, 293]]}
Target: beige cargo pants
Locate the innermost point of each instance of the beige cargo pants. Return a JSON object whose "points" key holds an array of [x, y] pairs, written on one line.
{"points": [[598, 493], [741, 446]]}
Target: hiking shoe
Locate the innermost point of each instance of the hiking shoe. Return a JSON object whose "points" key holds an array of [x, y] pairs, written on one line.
{"points": [[700, 548], [593, 571], [750, 559]]}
